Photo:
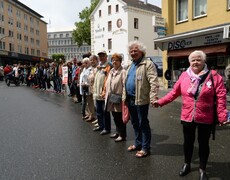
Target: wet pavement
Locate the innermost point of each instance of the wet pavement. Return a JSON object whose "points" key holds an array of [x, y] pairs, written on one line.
{"points": [[44, 137]]}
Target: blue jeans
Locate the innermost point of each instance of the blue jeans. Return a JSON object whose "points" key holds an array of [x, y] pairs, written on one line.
{"points": [[140, 122], [103, 117]]}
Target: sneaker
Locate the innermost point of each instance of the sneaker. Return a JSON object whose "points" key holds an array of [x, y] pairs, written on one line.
{"points": [[104, 132]]}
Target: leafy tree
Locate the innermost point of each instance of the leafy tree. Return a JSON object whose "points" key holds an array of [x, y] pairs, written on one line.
{"points": [[58, 56], [82, 33]]}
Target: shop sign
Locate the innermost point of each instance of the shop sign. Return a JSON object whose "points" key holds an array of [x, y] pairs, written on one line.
{"points": [[119, 31], [158, 21], [209, 39]]}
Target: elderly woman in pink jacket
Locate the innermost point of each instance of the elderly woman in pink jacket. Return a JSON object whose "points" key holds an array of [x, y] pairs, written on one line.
{"points": [[197, 90]]}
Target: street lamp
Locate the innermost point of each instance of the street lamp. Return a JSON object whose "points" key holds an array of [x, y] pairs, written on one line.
{"points": [[2, 39]]}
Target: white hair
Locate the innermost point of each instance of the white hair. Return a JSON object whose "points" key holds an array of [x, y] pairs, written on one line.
{"points": [[85, 60], [199, 53], [139, 44]]}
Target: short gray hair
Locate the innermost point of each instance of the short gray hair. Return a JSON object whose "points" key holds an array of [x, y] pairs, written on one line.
{"points": [[199, 53], [140, 45]]}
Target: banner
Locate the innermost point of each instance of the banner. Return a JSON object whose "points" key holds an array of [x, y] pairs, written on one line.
{"points": [[65, 75]]}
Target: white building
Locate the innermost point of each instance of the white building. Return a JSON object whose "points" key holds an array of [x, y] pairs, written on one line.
{"points": [[114, 23], [61, 42]]}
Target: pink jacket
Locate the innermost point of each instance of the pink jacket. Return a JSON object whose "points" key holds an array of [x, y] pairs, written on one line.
{"points": [[201, 110]]}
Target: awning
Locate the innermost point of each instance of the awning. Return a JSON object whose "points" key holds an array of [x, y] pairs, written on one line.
{"points": [[213, 49]]}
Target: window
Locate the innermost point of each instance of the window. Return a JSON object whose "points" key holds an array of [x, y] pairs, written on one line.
{"points": [[11, 46], [11, 33], [19, 49], [117, 8], [228, 4], [99, 13], [182, 10], [200, 8], [1, 5], [136, 38], [109, 9], [110, 26], [135, 23], [109, 43], [38, 52]]}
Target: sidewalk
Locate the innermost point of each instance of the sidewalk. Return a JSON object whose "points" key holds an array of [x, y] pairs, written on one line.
{"points": [[163, 92]]}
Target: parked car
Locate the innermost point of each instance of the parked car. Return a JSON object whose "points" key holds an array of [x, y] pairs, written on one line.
{"points": [[157, 60]]}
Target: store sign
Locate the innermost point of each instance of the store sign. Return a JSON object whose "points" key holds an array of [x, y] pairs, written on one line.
{"points": [[120, 31], [209, 39], [158, 21]]}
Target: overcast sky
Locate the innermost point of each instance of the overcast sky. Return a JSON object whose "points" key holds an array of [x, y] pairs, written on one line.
{"points": [[62, 14]]}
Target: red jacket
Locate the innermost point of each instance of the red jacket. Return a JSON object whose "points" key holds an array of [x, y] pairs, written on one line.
{"points": [[201, 110], [7, 70]]}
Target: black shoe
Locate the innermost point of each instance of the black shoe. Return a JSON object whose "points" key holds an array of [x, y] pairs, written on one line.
{"points": [[185, 170], [203, 175], [97, 129]]}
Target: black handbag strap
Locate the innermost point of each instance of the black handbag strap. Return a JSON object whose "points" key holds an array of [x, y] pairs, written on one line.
{"points": [[215, 121]]}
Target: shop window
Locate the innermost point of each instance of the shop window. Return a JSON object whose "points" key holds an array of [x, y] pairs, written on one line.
{"points": [[182, 10], [200, 8], [135, 23]]}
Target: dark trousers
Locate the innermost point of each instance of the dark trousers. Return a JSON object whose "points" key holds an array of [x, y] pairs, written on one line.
{"points": [[120, 126], [103, 117], [204, 132]]}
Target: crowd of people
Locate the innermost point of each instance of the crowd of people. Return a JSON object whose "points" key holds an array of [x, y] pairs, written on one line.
{"points": [[110, 85]]}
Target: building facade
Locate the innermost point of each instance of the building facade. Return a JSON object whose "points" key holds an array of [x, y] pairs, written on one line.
{"points": [[114, 23], [195, 25], [61, 42], [23, 35]]}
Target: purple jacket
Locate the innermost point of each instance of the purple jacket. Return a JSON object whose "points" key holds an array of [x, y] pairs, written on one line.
{"points": [[201, 110]]}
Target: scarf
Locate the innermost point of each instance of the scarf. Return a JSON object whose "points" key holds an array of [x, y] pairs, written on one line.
{"points": [[195, 79]]}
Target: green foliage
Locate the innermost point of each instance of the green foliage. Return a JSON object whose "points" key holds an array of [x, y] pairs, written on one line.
{"points": [[82, 32], [57, 57]]}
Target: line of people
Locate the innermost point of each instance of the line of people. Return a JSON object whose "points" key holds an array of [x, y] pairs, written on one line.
{"points": [[102, 87]]}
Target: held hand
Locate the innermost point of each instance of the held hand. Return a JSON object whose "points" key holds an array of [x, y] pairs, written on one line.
{"points": [[155, 104]]}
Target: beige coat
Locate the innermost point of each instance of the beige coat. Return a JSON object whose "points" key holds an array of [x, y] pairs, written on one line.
{"points": [[114, 84], [147, 85]]}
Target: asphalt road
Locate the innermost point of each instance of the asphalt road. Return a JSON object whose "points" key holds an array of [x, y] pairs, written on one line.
{"points": [[42, 136]]}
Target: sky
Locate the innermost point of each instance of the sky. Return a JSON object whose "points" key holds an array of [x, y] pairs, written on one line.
{"points": [[62, 14]]}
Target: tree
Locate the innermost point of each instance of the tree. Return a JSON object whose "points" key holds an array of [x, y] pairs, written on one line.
{"points": [[58, 56], [82, 32]]}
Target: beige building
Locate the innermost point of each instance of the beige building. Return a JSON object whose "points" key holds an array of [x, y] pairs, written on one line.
{"points": [[195, 25], [23, 35]]}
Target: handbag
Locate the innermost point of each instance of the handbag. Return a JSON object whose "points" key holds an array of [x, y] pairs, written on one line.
{"points": [[215, 117], [125, 113], [115, 98]]}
